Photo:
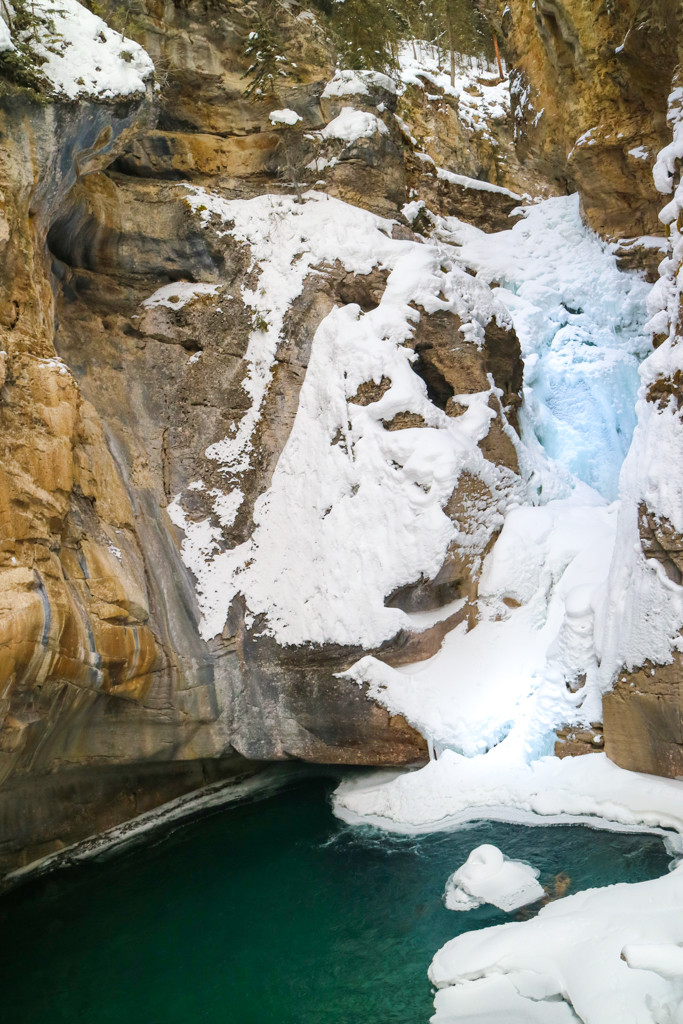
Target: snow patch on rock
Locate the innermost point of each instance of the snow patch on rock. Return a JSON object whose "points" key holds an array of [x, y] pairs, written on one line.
{"points": [[351, 125], [179, 293], [369, 502], [488, 876], [355, 83], [284, 116]]}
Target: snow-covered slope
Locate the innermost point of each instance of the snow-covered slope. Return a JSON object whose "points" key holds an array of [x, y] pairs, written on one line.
{"points": [[369, 502], [543, 584], [75, 52]]}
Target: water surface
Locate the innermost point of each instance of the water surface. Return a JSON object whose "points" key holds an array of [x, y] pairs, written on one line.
{"points": [[271, 912]]}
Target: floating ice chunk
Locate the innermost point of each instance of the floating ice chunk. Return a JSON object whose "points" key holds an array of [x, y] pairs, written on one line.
{"points": [[352, 125], [284, 116], [488, 876]]}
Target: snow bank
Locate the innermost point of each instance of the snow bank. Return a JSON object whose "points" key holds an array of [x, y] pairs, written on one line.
{"points": [[369, 501], [352, 124], [503, 787], [643, 615], [604, 956], [664, 170], [488, 876], [80, 55]]}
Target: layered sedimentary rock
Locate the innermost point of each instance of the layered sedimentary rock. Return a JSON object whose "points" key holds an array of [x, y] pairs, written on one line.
{"points": [[169, 303], [126, 323], [589, 83]]}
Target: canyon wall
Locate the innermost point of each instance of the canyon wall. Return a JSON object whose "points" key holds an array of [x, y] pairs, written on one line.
{"points": [[595, 101], [131, 307], [113, 697]]}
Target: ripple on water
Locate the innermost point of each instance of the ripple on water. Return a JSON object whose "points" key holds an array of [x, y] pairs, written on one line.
{"points": [[270, 913]]}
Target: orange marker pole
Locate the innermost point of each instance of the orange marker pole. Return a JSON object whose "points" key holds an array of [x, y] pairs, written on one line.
{"points": [[500, 65]]}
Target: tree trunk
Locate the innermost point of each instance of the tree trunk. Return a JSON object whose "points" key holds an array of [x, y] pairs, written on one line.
{"points": [[451, 47]]}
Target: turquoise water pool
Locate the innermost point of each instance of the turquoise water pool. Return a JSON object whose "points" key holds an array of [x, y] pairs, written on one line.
{"points": [[271, 912]]}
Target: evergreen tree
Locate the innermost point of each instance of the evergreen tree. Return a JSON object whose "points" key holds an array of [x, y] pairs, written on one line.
{"points": [[268, 64]]}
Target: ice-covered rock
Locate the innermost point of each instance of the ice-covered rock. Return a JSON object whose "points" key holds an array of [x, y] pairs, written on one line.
{"points": [[351, 125], [604, 956], [488, 876]]}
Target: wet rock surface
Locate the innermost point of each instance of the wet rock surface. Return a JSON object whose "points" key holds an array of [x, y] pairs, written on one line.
{"points": [[110, 397]]}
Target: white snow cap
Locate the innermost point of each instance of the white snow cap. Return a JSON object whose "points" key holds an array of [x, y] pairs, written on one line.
{"points": [[284, 116], [352, 124], [488, 876], [355, 83], [82, 54]]}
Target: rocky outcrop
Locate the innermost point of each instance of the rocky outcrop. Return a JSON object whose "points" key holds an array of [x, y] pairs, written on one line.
{"points": [[643, 710], [643, 720], [113, 391], [589, 84]]}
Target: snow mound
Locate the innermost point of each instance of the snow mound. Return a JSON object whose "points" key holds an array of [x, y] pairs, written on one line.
{"points": [[606, 955], [79, 54], [351, 125], [284, 116], [488, 876]]}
